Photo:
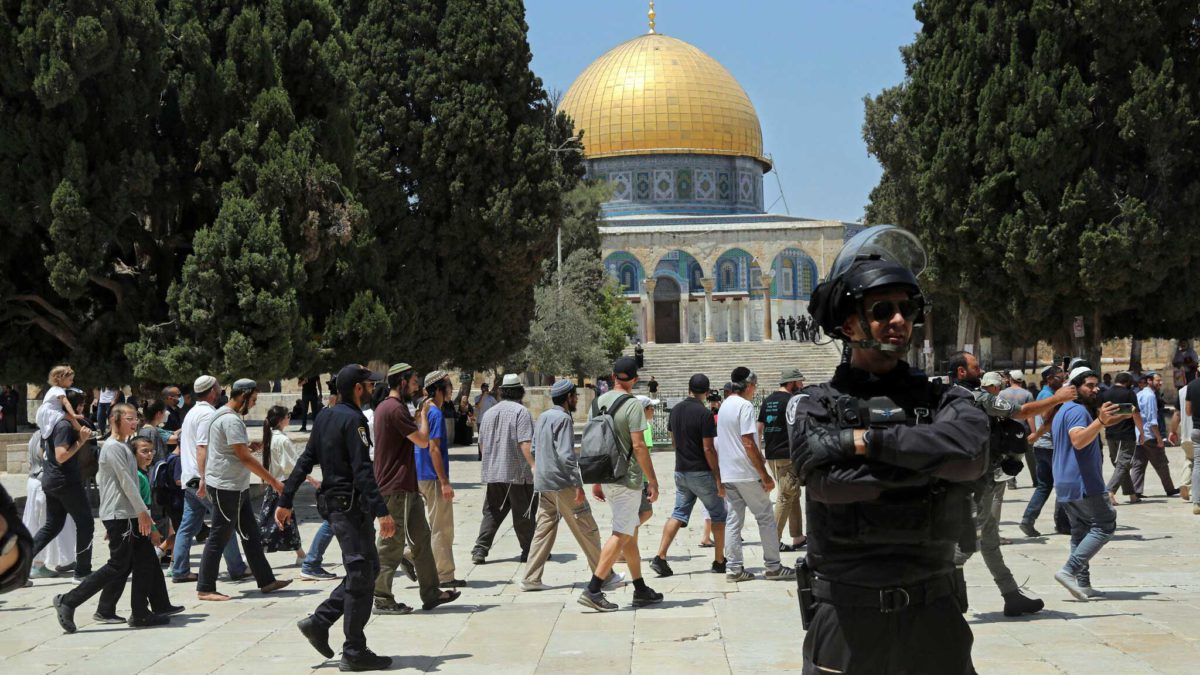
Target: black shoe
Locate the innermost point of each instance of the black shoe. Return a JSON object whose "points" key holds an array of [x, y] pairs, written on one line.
{"points": [[63, 569], [718, 567], [450, 596], [410, 570], [367, 660], [646, 596], [148, 621], [1172, 493], [453, 583], [66, 614], [478, 558], [1029, 530], [170, 610], [1017, 603], [189, 578], [525, 558], [660, 567], [114, 619], [316, 634]]}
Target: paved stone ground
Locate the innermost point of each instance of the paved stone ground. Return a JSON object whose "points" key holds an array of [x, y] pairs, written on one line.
{"points": [[1149, 623]]}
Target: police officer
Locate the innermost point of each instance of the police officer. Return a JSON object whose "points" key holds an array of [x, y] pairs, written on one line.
{"points": [[348, 499], [887, 456], [1006, 447]]}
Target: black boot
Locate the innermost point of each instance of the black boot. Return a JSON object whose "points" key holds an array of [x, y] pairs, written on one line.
{"points": [[317, 635], [1017, 603]]}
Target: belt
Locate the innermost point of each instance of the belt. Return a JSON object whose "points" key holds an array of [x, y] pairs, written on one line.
{"points": [[886, 600]]}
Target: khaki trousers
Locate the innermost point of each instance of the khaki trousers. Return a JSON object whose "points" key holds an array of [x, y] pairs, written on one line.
{"points": [[787, 501], [555, 506], [411, 528], [441, 526]]}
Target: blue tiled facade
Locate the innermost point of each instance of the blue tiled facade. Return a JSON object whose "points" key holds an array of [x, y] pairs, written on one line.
{"points": [[680, 184]]}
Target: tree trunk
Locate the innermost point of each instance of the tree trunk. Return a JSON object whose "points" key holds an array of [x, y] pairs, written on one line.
{"points": [[968, 328], [1095, 350], [1135, 355]]}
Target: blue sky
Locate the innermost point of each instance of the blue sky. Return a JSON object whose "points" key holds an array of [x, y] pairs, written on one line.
{"points": [[806, 65]]}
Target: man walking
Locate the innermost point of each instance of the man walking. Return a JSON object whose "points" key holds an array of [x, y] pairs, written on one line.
{"points": [[1122, 437], [1079, 480], [1152, 449], [193, 460], [433, 479], [624, 497], [348, 499], [697, 474], [1043, 454], [747, 483], [780, 323], [396, 435], [227, 476], [772, 428], [559, 485], [505, 436]]}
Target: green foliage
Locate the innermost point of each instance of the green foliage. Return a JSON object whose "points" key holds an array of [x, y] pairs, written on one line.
{"points": [[1045, 153], [615, 316]]}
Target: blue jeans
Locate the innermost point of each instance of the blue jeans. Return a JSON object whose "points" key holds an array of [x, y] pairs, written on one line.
{"points": [[194, 511], [1093, 521], [1043, 486], [693, 485], [316, 551]]}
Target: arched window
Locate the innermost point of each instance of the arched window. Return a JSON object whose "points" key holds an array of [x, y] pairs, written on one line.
{"points": [[728, 275], [628, 278], [787, 279]]}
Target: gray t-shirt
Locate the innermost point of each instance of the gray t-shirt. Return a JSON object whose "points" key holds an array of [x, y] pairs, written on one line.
{"points": [[224, 470], [1018, 396]]}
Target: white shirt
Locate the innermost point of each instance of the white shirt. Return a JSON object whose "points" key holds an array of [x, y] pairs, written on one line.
{"points": [[193, 432], [108, 395], [734, 420]]}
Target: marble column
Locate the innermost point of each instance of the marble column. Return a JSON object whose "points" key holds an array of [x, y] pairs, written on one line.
{"points": [[650, 333], [683, 327], [767, 276], [745, 303], [729, 319], [707, 283]]}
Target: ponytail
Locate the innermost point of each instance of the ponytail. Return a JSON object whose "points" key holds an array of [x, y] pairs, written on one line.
{"points": [[274, 416]]}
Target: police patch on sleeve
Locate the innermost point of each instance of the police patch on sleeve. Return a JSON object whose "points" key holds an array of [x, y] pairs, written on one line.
{"points": [[362, 434]]}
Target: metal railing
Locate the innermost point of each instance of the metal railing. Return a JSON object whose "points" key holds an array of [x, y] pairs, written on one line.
{"points": [[662, 412]]}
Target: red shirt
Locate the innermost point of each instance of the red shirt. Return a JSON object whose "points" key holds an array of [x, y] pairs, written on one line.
{"points": [[395, 461]]}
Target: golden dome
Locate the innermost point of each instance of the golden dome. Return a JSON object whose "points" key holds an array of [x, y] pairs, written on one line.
{"points": [[658, 95]]}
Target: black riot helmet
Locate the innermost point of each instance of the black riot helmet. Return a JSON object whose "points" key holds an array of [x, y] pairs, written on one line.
{"points": [[884, 256]]}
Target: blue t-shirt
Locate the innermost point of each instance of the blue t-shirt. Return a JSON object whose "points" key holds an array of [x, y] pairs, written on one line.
{"points": [[437, 429], [1077, 473]]}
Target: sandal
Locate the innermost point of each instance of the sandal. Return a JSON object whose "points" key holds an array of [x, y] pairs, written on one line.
{"points": [[707, 545]]}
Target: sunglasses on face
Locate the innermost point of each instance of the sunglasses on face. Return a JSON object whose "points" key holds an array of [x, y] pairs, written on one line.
{"points": [[884, 310]]}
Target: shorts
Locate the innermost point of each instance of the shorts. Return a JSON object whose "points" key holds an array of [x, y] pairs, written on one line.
{"points": [[624, 504], [693, 485]]}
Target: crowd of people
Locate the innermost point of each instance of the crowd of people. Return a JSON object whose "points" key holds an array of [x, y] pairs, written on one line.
{"points": [[798, 329]]}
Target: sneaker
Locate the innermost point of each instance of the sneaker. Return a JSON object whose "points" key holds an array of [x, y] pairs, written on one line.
{"points": [[66, 614], [148, 621], [660, 567], [1017, 603], [42, 572], [367, 660], [718, 567], [614, 581], [781, 574], [114, 619], [1070, 583], [596, 601], [316, 634], [1172, 492], [410, 570], [76, 579], [318, 574], [391, 607], [645, 596], [1196, 509], [739, 576], [1029, 530], [1092, 593], [478, 558], [531, 586]]}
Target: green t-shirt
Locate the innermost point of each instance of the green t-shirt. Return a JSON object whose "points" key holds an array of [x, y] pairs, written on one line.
{"points": [[144, 486], [649, 435], [630, 419]]}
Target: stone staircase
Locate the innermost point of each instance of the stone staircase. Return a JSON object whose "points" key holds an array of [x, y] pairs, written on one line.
{"points": [[673, 364]]}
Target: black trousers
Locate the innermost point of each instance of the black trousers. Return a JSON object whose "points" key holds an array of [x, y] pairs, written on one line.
{"points": [[128, 553], [1155, 457], [70, 499], [931, 638], [498, 501], [308, 403], [353, 598], [232, 513]]}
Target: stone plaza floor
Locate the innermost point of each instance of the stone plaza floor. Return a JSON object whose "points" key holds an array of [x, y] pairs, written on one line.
{"points": [[1150, 622]]}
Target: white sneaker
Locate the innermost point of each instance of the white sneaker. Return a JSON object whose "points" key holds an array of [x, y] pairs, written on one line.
{"points": [[614, 581], [1093, 593], [534, 586], [1070, 583]]}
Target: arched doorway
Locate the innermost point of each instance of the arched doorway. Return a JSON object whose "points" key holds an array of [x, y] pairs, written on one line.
{"points": [[666, 310]]}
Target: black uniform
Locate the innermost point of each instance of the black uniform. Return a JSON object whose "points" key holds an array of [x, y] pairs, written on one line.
{"points": [[879, 589], [791, 324], [349, 499]]}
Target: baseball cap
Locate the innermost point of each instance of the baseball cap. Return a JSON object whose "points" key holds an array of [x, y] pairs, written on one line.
{"points": [[1016, 375], [698, 383], [244, 384], [791, 375], [992, 379], [646, 401], [354, 373], [625, 368], [435, 377], [204, 383]]}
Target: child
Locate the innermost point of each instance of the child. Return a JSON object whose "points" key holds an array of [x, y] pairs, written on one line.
{"points": [[279, 457], [54, 404]]}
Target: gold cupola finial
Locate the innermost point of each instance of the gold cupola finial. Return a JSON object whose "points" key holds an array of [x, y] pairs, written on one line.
{"points": [[651, 14]]}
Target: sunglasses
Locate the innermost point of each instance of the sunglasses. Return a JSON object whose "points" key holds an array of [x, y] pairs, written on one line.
{"points": [[884, 310]]}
